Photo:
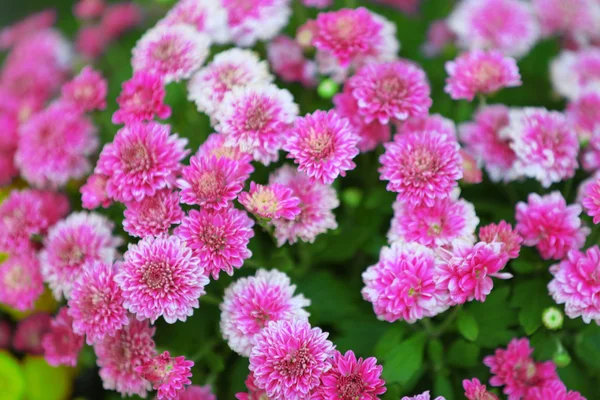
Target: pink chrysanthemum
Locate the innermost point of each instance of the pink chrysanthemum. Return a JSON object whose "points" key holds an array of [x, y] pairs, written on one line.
{"points": [[423, 396], [172, 52], [142, 97], [61, 344], [290, 358], [576, 284], [471, 171], [480, 72], [591, 200], [545, 144], [21, 217], [432, 122], [93, 193], [29, 333], [439, 35], [575, 73], [89, 9], [87, 90], [584, 115], [169, 375], [555, 390], [216, 145], [316, 204], [119, 18], [549, 224], [96, 303], [256, 119], [514, 369], [153, 215], [351, 378], [20, 280], [207, 17], [401, 285], [286, 58], [256, 20], [142, 159], [421, 167], [195, 392], [509, 26], [475, 390], [55, 205], [270, 202], [502, 233], [91, 41], [254, 392], [251, 303], [576, 18], [391, 91], [119, 355], [31, 24], [591, 154], [219, 238]]}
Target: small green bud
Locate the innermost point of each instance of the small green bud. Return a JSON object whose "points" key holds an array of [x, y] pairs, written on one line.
{"points": [[328, 88], [352, 197], [552, 318], [561, 358]]}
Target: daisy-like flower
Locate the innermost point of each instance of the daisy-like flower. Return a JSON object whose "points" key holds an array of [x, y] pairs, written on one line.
{"points": [[584, 115], [351, 378], [96, 303], [270, 202], [323, 145], [71, 243], [576, 284], [29, 333], [61, 344], [509, 26], [195, 392], [251, 303], [256, 20], [391, 91], [480, 72], [168, 375], [591, 200], [576, 18], [142, 97], [218, 238], [423, 396], [289, 359], [208, 17], [87, 90], [254, 392], [502, 233], [256, 119], [575, 73], [20, 280], [93, 193], [172, 52], [316, 204], [401, 285], [555, 390], [21, 216], [119, 355], [549, 224], [153, 215], [421, 167], [233, 68], [544, 143], [142, 159], [432, 122], [475, 390], [514, 369]]}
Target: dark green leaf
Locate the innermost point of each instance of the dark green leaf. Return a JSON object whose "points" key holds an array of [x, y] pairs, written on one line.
{"points": [[463, 354], [467, 325], [405, 360]]}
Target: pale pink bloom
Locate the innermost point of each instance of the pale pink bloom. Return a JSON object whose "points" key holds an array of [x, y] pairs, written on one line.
{"points": [[119, 355], [153, 215], [21, 217], [421, 166], [577, 18], [20, 280], [475, 390], [391, 91], [161, 277], [89, 9], [401, 285], [29, 333], [555, 390], [254, 392], [96, 302], [119, 18], [317, 3], [256, 119], [141, 99], [591, 153], [514, 369], [584, 116], [576, 284], [171, 52], [208, 17], [351, 378], [256, 20], [289, 359], [316, 204], [270, 202], [591, 200], [480, 72], [168, 375], [93, 193], [31, 24], [509, 26], [545, 144], [502, 233], [91, 41], [251, 303], [195, 392], [142, 159], [286, 58], [573, 73], [439, 35], [423, 396], [216, 145], [61, 344], [471, 171], [432, 122], [87, 91], [218, 238], [79, 239]]}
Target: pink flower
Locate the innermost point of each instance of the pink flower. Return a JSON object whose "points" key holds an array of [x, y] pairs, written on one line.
{"points": [[591, 154], [391, 91], [502, 233], [119, 355], [480, 72], [474, 390], [514, 369], [439, 35], [21, 216], [119, 18], [256, 119], [549, 224], [471, 171], [576, 73], [216, 145], [555, 390], [423, 396], [89, 9], [576, 284], [206, 17], [401, 285], [254, 392], [431, 122], [96, 303], [591, 200], [141, 98], [578, 18], [350, 378], [87, 90], [323, 145], [171, 52], [257, 20], [286, 58], [290, 358], [61, 344], [93, 193], [8, 170], [91, 41], [584, 115], [195, 392], [153, 215], [20, 280], [142, 159], [219, 238], [29, 333], [71, 243], [167, 374], [317, 3], [31, 24], [251, 303], [270, 202], [421, 167]]}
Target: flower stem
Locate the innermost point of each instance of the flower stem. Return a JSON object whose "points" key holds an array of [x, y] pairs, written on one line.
{"points": [[210, 299]]}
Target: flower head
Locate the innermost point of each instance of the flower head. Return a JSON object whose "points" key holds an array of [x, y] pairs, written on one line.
{"points": [[91, 41], [29, 333], [502, 233], [208, 17], [153, 215], [431, 122], [61, 344], [584, 115], [439, 36], [286, 58], [87, 90], [591, 200], [555, 390], [422, 396], [195, 392], [474, 390], [119, 18], [142, 97], [93, 193], [270, 202], [576, 73], [577, 18], [167, 374], [89, 9], [20, 280], [256, 20], [21, 216]]}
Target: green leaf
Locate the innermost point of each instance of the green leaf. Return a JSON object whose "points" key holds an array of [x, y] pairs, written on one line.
{"points": [[442, 386], [389, 341], [531, 297], [587, 346], [45, 382], [522, 266], [435, 350], [405, 360], [467, 325], [494, 318], [463, 354]]}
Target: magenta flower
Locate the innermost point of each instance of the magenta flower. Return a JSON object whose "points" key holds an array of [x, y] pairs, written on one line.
{"points": [[142, 97], [258, 20], [290, 358], [61, 344], [21, 217], [216, 145], [270, 202], [502, 233], [251, 303], [574, 73], [474, 390], [439, 36], [577, 18], [142, 159], [119, 18], [87, 90], [591, 200], [555, 390], [584, 115], [254, 392], [89, 9], [93, 193], [195, 392], [471, 171], [29, 25], [218, 238], [91, 41], [29, 333], [590, 159], [153, 215], [423, 396], [20, 280], [167, 374], [161, 277], [286, 59], [432, 122], [206, 17]]}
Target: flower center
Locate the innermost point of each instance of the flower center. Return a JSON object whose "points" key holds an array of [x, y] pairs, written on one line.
{"points": [[72, 254], [213, 237], [265, 203], [136, 158], [350, 387], [320, 144], [256, 117], [209, 184], [164, 51], [157, 275], [295, 364], [388, 88], [486, 73]]}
